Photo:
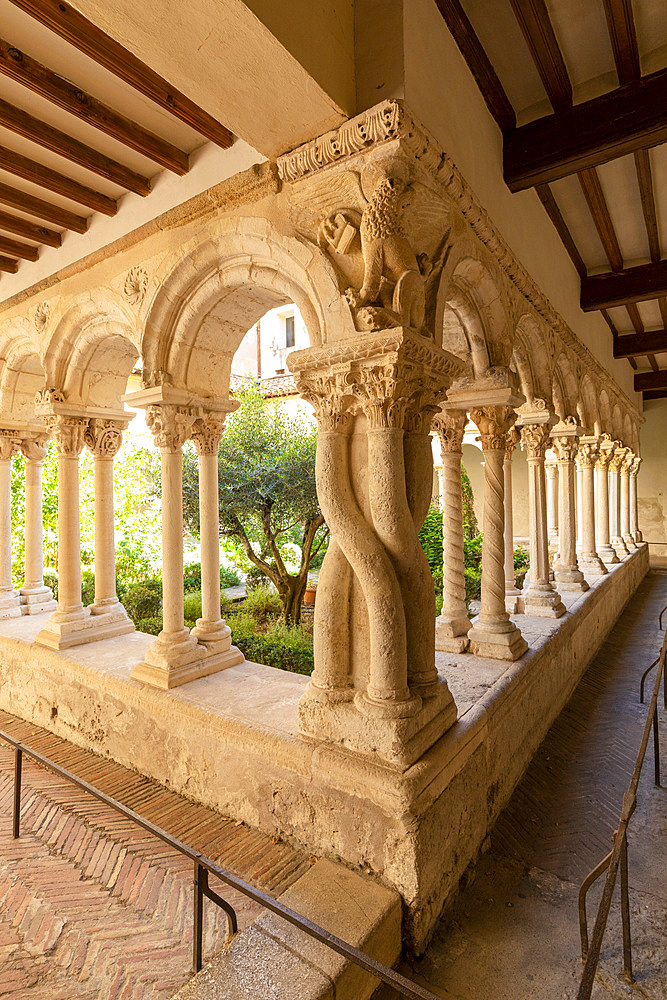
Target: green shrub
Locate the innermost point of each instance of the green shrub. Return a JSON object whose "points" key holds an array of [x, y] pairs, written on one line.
{"points": [[192, 578], [430, 536], [143, 600], [254, 578], [152, 626], [87, 586], [283, 646], [229, 577], [472, 551], [473, 585], [520, 557], [262, 603], [51, 580], [192, 605], [470, 528], [242, 625]]}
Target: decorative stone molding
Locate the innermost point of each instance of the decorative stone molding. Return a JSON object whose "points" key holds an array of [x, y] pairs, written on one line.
{"points": [[41, 317], [135, 285], [46, 397], [68, 434], [450, 427], [103, 437], [169, 424], [565, 448], [10, 444], [207, 433]]}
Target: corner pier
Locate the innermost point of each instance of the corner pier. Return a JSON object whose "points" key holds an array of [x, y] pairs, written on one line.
{"points": [[231, 741]]}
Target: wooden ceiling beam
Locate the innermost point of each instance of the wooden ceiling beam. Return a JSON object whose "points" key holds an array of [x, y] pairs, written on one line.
{"points": [[629, 345], [655, 394], [651, 380], [545, 195], [30, 231], [8, 265], [15, 249], [26, 71], [597, 203], [632, 117], [535, 24], [42, 209], [634, 284], [478, 62], [623, 37], [41, 134], [73, 27], [36, 173]]}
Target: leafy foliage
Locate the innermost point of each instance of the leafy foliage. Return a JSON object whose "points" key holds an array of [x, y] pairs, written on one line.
{"points": [[470, 527], [430, 536]]}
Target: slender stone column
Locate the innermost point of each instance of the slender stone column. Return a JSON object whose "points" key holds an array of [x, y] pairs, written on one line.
{"points": [[602, 542], [634, 516], [551, 472], [569, 577], [452, 625], [590, 561], [492, 633], [615, 501], [104, 437], [540, 598], [580, 507], [512, 592], [10, 600], [211, 631], [36, 598], [625, 502]]}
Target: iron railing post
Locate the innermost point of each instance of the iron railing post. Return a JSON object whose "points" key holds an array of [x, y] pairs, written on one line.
{"points": [[625, 912], [16, 817], [198, 916], [656, 748]]}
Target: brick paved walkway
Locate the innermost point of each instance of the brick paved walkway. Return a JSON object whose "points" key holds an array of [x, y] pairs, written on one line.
{"points": [[513, 933], [91, 906]]}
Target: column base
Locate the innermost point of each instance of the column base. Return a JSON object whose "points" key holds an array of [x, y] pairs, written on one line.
{"points": [[629, 543], [638, 537], [66, 629], [543, 601], [355, 725], [592, 565], [177, 658], [570, 580], [10, 604], [451, 634], [497, 641], [608, 555], [37, 600], [619, 547]]}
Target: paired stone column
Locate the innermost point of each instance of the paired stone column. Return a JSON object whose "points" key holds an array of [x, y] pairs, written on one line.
{"points": [[589, 560], [375, 687], [580, 507], [539, 598], [626, 534], [615, 464], [492, 633], [452, 625], [211, 631], [512, 592], [634, 515], [602, 536], [10, 600], [565, 442], [36, 598], [551, 472], [104, 437]]}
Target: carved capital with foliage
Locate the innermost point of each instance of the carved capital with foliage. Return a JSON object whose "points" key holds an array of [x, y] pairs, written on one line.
{"points": [[587, 454], [207, 433], [565, 447], [103, 437], [450, 427], [68, 434], [493, 423], [170, 425]]}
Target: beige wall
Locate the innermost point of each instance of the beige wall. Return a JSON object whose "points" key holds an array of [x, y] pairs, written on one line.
{"points": [[652, 481]]}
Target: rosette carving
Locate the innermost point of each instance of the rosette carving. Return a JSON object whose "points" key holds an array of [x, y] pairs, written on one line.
{"points": [[136, 283]]}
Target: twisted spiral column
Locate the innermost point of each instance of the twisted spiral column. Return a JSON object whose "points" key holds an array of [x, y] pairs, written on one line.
{"points": [[452, 625], [492, 633]]}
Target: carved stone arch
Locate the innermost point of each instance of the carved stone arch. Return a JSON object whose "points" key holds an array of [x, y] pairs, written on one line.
{"points": [[567, 387], [204, 302], [628, 432], [21, 371], [589, 413], [92, 351], [531, 360], [617, 422], [604, 408]]}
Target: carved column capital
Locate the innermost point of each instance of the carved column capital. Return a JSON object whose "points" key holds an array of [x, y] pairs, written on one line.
{"points": [[587, 454], [617, 460], [68, 433], [10, 443], [103, 437], [551, 467], [34, 449], [628, 462], [512, 439], [604, 458], [634, 470], [207, 433], [450, 426], [169, 424], [493, 423], [535, 439], [329, 396], [565, 448]]}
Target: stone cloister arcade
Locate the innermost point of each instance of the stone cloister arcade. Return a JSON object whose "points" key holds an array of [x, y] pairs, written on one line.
{"points": [[420, 319]]}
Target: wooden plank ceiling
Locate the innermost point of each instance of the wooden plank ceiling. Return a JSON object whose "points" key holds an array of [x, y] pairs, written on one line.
{"points": [[66, 149], [596, 162]]}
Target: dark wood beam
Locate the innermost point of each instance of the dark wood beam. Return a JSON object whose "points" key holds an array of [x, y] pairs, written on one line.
{"points": [[623, 37], [645, 181], [538, 32], [21, 227], [36, 173], [655, 394], [41, 134], [632, 117], [69, 24], [597, 203], [545, 195], [15, 249], [651, 380], [8, 265], [662, 302], [478, 62], [634, 284], [635, 318], [42, 209], [29, 73]]}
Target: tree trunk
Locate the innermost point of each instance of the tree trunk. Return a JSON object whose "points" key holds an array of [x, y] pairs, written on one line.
{"points": [[293, 599]]}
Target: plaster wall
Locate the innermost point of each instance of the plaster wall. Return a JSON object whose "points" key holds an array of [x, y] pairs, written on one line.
{"points": [[652, 480]]}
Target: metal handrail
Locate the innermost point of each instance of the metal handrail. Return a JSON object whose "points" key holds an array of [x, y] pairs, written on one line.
{"points": [[649, 669], [202, 867], [618, 857]]}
